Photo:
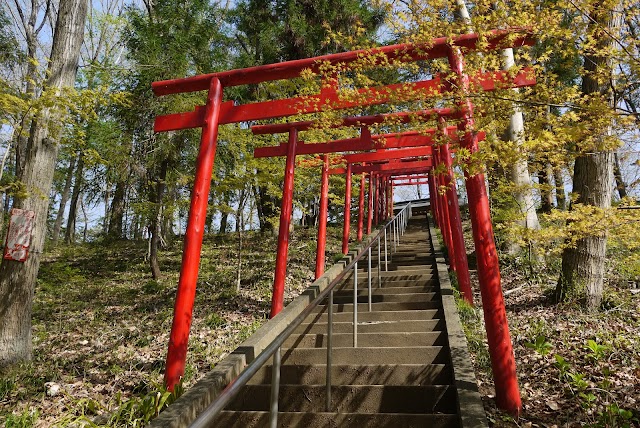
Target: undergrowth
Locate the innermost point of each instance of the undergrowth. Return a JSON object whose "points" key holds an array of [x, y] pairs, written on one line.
{"points": [[101, 325], [574, 368]]}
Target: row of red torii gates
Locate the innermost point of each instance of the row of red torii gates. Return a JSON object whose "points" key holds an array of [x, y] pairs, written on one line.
{"points": [[388, 160]]}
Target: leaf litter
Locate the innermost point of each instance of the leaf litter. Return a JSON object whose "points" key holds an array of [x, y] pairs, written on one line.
{"points": [[101, 325]]}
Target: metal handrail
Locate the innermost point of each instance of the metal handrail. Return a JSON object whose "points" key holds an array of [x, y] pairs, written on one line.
{"points": [[231, 390]]}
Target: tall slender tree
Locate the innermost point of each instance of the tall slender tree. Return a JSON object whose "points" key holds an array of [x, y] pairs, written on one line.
{"points": [[282, 30], [167, 40], [17, 279], [584, 263]]}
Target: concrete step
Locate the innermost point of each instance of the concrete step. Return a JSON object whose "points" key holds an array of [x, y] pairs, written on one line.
{"points": [[395, 270], [405, 257], [418, 326], [389, 281], [332, 420], [386, 298], [351, 398], [363, 291], [370, 340], [367, 316], [394, 264], [395, 276], [388, 306], [360, 374], [351, 356]]}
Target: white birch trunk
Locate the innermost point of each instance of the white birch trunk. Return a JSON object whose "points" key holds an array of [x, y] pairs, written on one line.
{"points": [[519, 170]]}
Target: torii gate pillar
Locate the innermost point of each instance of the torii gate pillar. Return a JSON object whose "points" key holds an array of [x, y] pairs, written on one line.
{"points": [[346, 229], [277, 299], [186, 294], [457, 238], [322, 218], [361, 208], [503, 363]]}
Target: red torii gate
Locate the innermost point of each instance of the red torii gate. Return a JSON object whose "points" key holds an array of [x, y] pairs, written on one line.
{"points": [[217, 112], [365, 142], [390, 140], [447, 220]]}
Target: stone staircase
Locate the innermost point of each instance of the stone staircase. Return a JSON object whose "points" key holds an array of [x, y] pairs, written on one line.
{"points": [[401, 373]]}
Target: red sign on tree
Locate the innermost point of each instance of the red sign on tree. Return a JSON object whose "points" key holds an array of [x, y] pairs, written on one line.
{"points": [[19, 235]]}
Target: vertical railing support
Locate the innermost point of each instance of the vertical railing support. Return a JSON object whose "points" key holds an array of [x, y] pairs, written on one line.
{"points": [[394, 234], [329, 349], [322, 218], [500, 348], [277, 299], [347, 212], [275, 390], [386, 264], [185, 296], [369, 275], [355, 305], [379, 263]]}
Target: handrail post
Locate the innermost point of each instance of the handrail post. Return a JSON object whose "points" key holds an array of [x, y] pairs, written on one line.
{"points": [[394, 226], [275, 390], [369, 275], [329, 348], [379, 263], [355, 305], [392, 236], [386, 264]]}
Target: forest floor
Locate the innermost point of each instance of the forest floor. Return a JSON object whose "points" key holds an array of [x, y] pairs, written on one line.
{"points": [[101, 324], [574, 368]]}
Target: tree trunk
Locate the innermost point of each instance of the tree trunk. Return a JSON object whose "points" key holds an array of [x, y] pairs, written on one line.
{"points": [[584, 264], [621, 186], [117, 211], [240, 210], [17, 279], [561, 195], [156, 221], [137, 227], [64, 198], [107, 207], [78, 183], [224, 222], [168, 215], [266, 209], [239, 233], [224, 214], [85, 219], [519, 170], [546, 197], [31, 77]]}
